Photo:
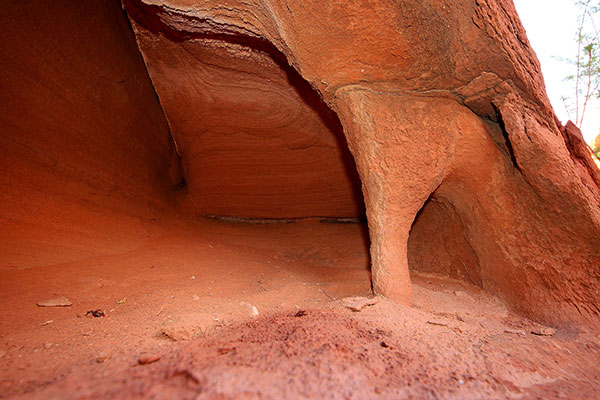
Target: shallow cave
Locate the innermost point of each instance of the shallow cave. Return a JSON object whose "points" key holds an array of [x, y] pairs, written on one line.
{"points": [[183, 184], [440, 243], [205, 176], [193, 157], [104, 142]]}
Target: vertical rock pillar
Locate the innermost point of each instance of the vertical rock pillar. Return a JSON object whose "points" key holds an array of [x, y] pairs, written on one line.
{"points": [[403, 145]]}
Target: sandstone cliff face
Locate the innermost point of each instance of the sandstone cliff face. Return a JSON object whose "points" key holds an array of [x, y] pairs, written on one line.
{"points": [[435, 110]]}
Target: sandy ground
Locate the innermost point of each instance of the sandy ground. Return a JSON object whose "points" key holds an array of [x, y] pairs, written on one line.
{"points": [[221, 310]]}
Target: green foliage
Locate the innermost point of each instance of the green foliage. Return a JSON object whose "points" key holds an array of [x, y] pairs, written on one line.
{"points": [[586, 79], [596, 152]]}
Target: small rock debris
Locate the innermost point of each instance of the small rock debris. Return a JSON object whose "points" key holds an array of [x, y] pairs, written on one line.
{"points": [[252, 310], [57, 302], [100, 359], [437, 322], [356, 304], [177, 334], [544, 331], [226, 350], [514, 331], [148, 360], [95, 313]]}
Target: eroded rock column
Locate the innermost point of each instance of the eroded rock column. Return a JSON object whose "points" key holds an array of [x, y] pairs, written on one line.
{"points": [[403, 146]]}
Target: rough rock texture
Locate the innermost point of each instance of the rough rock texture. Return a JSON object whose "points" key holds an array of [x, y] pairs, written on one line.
{"points": [[439, 100], [586, 168], [595, 147]]}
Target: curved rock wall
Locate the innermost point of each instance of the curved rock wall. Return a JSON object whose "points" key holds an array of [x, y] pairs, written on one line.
{"points": [[85, 148], [254, 138]]}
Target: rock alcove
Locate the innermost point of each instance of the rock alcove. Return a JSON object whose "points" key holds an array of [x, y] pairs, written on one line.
{"points": [[179, 163], [255, 140]]}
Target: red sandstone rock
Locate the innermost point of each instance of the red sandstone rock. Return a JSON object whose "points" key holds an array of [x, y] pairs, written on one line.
{"points": [[580, 152], [254, 138], [84, 146], [115, 137], [442, 107], [438, 101], [57, 302]]}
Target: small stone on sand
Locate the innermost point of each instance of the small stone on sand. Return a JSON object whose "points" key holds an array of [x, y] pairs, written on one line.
{"points": [[100, 359], [544, 331], [358, 303], [437, 322], [177, 334], [252, 310], [514, 331], [57, 302], [147, 360]]}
